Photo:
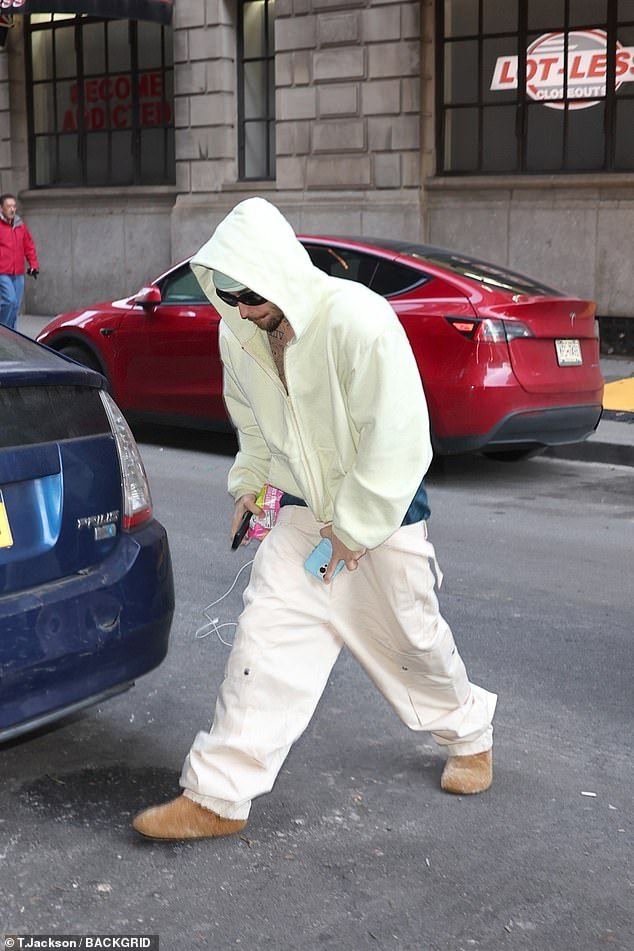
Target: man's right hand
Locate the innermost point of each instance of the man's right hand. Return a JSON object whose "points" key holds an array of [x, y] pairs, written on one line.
{"points": [[246, 503]]}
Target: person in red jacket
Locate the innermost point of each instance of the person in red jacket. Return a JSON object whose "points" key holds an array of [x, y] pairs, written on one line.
{"points": [[16, 244]]}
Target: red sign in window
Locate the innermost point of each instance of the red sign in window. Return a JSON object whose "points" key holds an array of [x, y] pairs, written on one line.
{"points": [[584, 62], [108, 103]]}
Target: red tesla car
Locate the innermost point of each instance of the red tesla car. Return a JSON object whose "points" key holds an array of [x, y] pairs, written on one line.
{"points": [[508, 365]]}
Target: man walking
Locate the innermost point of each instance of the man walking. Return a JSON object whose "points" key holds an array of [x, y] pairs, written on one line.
{"points": [[323, 389], [16, 244]]}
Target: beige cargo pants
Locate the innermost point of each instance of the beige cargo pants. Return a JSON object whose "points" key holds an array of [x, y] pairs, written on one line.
{"points": [[288, 638]]}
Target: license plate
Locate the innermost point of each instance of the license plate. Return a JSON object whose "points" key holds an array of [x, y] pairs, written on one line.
{"points": [[6, 538], [568, 353]]}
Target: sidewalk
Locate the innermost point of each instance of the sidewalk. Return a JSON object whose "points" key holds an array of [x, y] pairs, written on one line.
{"points": [[612, 443], [30, 326]]}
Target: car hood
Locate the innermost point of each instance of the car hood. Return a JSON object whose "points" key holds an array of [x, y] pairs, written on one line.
{"points": [[25, 363]]}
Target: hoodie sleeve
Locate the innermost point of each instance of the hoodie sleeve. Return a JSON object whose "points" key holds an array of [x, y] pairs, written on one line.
{"points": [[250, 470], [387, 405]]}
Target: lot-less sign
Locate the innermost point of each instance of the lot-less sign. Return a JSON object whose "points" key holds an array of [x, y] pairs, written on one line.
{"points": [[586, 68]]}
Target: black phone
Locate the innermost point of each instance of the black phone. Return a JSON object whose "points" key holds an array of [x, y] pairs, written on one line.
{"points": [[242, 530]]}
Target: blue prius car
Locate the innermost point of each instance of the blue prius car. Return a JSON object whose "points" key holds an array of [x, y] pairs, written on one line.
{"points": [[86, 588]]}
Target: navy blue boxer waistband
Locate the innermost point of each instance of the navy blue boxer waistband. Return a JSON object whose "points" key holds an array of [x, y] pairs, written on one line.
{"points": [[418, 510], [287, 499]]}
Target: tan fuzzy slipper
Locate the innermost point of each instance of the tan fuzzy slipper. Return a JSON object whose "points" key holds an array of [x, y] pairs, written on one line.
{"points": [[182, 818], [466, 775]]}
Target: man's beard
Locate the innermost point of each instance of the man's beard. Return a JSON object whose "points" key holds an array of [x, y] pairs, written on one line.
{"points": [[274, 323]]}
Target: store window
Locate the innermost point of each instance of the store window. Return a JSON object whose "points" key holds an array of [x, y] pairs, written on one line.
{"points": [[535, 86], [100, 101], [256, 89]]}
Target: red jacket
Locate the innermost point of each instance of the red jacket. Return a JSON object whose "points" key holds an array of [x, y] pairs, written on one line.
{"points": [[16, 244]]}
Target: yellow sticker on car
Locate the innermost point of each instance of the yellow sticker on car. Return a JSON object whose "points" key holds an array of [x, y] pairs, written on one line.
{"points": [[6, 538]]}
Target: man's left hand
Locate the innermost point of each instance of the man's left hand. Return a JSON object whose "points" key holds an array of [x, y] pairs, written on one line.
{"points": [[340, 552]]}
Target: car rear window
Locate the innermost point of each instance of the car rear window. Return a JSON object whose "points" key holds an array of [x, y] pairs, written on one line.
{"points": [[488, 274], [384, 277], [390, 278], [38, 414], [341, 262], [18, 351]]}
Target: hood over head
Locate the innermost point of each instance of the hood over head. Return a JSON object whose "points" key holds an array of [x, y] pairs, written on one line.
{"points": [[256, 247]]}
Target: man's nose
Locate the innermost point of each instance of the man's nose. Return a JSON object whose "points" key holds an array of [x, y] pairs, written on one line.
{"points": [[245, 311]]}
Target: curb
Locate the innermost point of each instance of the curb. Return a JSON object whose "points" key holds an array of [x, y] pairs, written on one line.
{"points": [[611, 444], [607, 453]]}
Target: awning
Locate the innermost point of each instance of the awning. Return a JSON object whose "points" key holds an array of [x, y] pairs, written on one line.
{"points": [[158, 10]]}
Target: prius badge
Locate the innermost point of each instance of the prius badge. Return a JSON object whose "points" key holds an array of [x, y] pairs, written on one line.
{"points": [[104, 525]]}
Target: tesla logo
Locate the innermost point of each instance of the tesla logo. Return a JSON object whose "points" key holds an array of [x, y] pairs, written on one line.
{"points": [[583, 61], [94, 521]]}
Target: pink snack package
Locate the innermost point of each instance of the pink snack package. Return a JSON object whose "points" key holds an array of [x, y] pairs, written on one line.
{"points": [[269, 501]]}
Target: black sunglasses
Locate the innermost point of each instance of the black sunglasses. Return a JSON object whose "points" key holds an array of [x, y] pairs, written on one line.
{"points": [[250, 298]]}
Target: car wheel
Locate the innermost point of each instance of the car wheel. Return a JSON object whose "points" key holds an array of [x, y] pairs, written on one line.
{"points": [[81, 355], [512, 455]]}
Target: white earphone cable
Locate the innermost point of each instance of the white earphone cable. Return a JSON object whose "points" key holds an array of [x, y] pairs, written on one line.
{"points": [[212, 625]]}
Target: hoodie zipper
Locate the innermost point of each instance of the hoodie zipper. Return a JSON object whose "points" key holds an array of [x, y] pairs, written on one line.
{"points": [[309, 477], [289, 404]]}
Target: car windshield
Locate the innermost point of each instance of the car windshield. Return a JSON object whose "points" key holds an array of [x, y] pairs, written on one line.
{"points": [[482, 272]]}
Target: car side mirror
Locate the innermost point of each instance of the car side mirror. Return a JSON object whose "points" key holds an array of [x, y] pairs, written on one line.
{"points": [[148, 297]]}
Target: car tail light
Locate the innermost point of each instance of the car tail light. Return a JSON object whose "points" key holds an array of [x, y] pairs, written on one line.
{"points": [[137, 501], [490, 329], [465, 327], [514, 329]]}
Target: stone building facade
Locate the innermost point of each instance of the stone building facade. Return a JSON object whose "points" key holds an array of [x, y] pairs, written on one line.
{"points": [[348, 82], [356, 152]]}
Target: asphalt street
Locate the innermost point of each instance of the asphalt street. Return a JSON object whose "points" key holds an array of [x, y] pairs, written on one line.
{"points": [[356, 847]]}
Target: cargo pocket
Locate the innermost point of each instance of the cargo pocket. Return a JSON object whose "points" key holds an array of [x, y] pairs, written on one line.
{"points": [[436, 678], [254, 706]]}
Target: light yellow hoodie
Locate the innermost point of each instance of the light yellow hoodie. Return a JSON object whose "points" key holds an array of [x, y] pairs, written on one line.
{"points": [[351, 436]]}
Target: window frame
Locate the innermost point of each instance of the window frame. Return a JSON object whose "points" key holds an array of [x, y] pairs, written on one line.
{"points": [[269, 118], [80, 76], [523, 103]]}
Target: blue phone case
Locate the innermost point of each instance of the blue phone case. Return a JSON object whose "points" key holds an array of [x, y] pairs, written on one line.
{"points": [[319, 559]]}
